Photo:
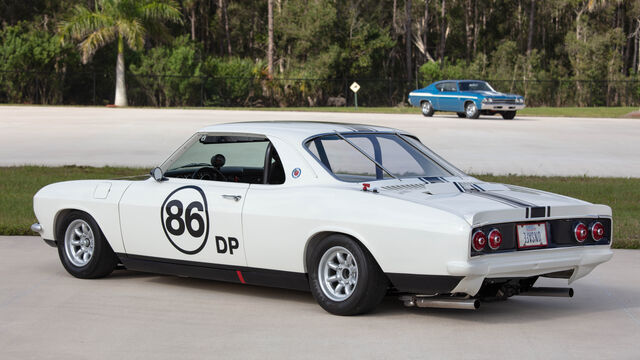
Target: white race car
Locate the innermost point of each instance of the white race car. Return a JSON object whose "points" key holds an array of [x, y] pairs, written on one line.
{"points": [[350, 212]]}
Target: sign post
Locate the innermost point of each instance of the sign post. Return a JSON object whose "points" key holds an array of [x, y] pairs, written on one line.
{"points": [[355, 87]]}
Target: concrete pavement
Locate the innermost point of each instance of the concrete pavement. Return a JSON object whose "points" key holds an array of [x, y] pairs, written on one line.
{"points": [[145, 137], [47, 314]]}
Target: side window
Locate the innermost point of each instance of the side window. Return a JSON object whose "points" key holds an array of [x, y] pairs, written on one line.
{"points": [[226, 158], [440, 87], [450, 87]]}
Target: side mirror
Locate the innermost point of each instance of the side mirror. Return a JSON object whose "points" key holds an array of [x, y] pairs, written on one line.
{"points": [[157, 174]]}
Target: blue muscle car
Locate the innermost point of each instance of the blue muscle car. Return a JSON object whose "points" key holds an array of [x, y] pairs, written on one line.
{"points": [[468, 98]]}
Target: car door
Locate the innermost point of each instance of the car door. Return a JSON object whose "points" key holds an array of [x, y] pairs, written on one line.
{"points": [[196, 213], [448, 97]]}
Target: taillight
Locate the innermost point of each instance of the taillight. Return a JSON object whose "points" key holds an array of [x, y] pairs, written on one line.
{"points": [[597, 231], [479, 240], [494, 239], [580, 232]]}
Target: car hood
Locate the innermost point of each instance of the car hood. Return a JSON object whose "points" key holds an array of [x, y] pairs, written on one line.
{"points": [[481, 202]]}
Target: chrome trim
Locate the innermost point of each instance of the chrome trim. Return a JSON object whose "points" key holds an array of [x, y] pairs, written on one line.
{"points": [[36, 228], [501, 106]]}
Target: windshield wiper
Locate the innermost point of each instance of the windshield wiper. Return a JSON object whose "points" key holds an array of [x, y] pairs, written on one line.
{"points": [[367, 155], [190, 165]]}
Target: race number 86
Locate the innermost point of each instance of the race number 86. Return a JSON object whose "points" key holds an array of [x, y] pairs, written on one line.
{"points": [[185, 219]]}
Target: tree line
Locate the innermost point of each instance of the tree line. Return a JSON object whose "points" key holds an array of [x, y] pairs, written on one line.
{"points": [[304, 52]]}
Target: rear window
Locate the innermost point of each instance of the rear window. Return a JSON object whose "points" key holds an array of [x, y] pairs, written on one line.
{"points": [[354, 158]]}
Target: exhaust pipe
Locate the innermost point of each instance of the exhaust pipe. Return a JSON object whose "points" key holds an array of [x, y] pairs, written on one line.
{"points": [[548, 291], [440, 302]]}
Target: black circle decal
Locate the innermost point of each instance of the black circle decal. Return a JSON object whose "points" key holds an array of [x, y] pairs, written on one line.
{"points": [[185, 219]]}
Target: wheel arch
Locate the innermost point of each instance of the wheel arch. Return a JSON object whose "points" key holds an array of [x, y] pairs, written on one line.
{"points": [[317, 238], [466, 101]]}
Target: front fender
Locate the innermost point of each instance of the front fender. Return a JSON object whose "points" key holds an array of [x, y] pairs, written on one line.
{"points": [[98, 198]]}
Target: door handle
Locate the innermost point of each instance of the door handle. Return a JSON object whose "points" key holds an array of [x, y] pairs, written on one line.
{"points": [[232, 197]]}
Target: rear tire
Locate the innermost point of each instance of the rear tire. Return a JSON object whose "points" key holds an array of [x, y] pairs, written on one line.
{"points": [[508, 115], [427, 108], [83, 250], [344, 278], [471, 110], [462, 115]]}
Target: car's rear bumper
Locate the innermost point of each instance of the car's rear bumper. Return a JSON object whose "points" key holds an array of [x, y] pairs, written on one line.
{"points": [[502, 107], [581, 260]]}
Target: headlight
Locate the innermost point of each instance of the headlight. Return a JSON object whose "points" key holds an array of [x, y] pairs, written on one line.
{"points": [[520, 100], [487, 100]]}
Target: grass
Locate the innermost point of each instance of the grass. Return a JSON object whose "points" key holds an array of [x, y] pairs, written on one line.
{"points": [[588, 112], [19, 184]]}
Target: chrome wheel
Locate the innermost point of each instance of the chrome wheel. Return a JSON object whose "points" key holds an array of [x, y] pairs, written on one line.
{"points": [[338, 273], [426, 107], [79, 242], [471, 110]]}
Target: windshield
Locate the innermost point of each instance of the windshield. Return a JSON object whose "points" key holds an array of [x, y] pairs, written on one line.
{"points": [[475, 86], [367, 157]]}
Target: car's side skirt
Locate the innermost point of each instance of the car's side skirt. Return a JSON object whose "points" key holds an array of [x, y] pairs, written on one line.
{"points": [[406, 283], [220, 272]]}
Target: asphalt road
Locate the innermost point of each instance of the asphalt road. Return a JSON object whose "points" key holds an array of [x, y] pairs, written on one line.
{"points": [[145, 137], [47, 314]]}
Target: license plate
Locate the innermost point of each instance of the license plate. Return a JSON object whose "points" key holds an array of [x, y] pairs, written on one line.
{"points": [[532, 235]]}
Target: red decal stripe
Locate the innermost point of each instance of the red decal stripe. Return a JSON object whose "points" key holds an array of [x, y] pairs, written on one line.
{"points": [[240, 276]]}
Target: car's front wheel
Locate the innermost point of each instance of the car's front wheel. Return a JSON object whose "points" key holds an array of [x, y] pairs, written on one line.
{"points": [[344, 278], [427, 108], [471, 110], [508, 115], [83, 250]]}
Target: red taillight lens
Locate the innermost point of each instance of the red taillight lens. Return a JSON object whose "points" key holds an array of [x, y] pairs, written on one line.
{"points": [[580, 232], [494, 239], [597, 231], [479, 240]]}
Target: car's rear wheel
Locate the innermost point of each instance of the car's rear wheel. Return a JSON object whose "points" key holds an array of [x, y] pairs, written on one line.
{"points": [[471, 110], [461, 115], [427, 108], [508, 115], [83, 250], [344, 278]]}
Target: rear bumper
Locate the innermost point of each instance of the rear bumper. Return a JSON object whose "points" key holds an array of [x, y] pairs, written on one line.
{"points": [[582, 260], [502, 107]]}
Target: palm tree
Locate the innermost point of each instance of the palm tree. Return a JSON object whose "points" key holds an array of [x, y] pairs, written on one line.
{"points": [[126, 21]]}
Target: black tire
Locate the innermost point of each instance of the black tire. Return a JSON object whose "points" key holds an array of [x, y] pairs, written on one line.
{"points": [[371, 285], [508, 115], [462, 115], [102, 261], [427, 108], [471, 110]]}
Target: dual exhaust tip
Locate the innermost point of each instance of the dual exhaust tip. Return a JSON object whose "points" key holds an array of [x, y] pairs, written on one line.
{"points": [[450, 302]]}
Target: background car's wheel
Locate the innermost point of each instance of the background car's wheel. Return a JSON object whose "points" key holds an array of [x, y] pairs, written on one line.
{"points": [[462, 115], [82, 248], [471, 110], [508, 115], [427, 108], [344, 278]]}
